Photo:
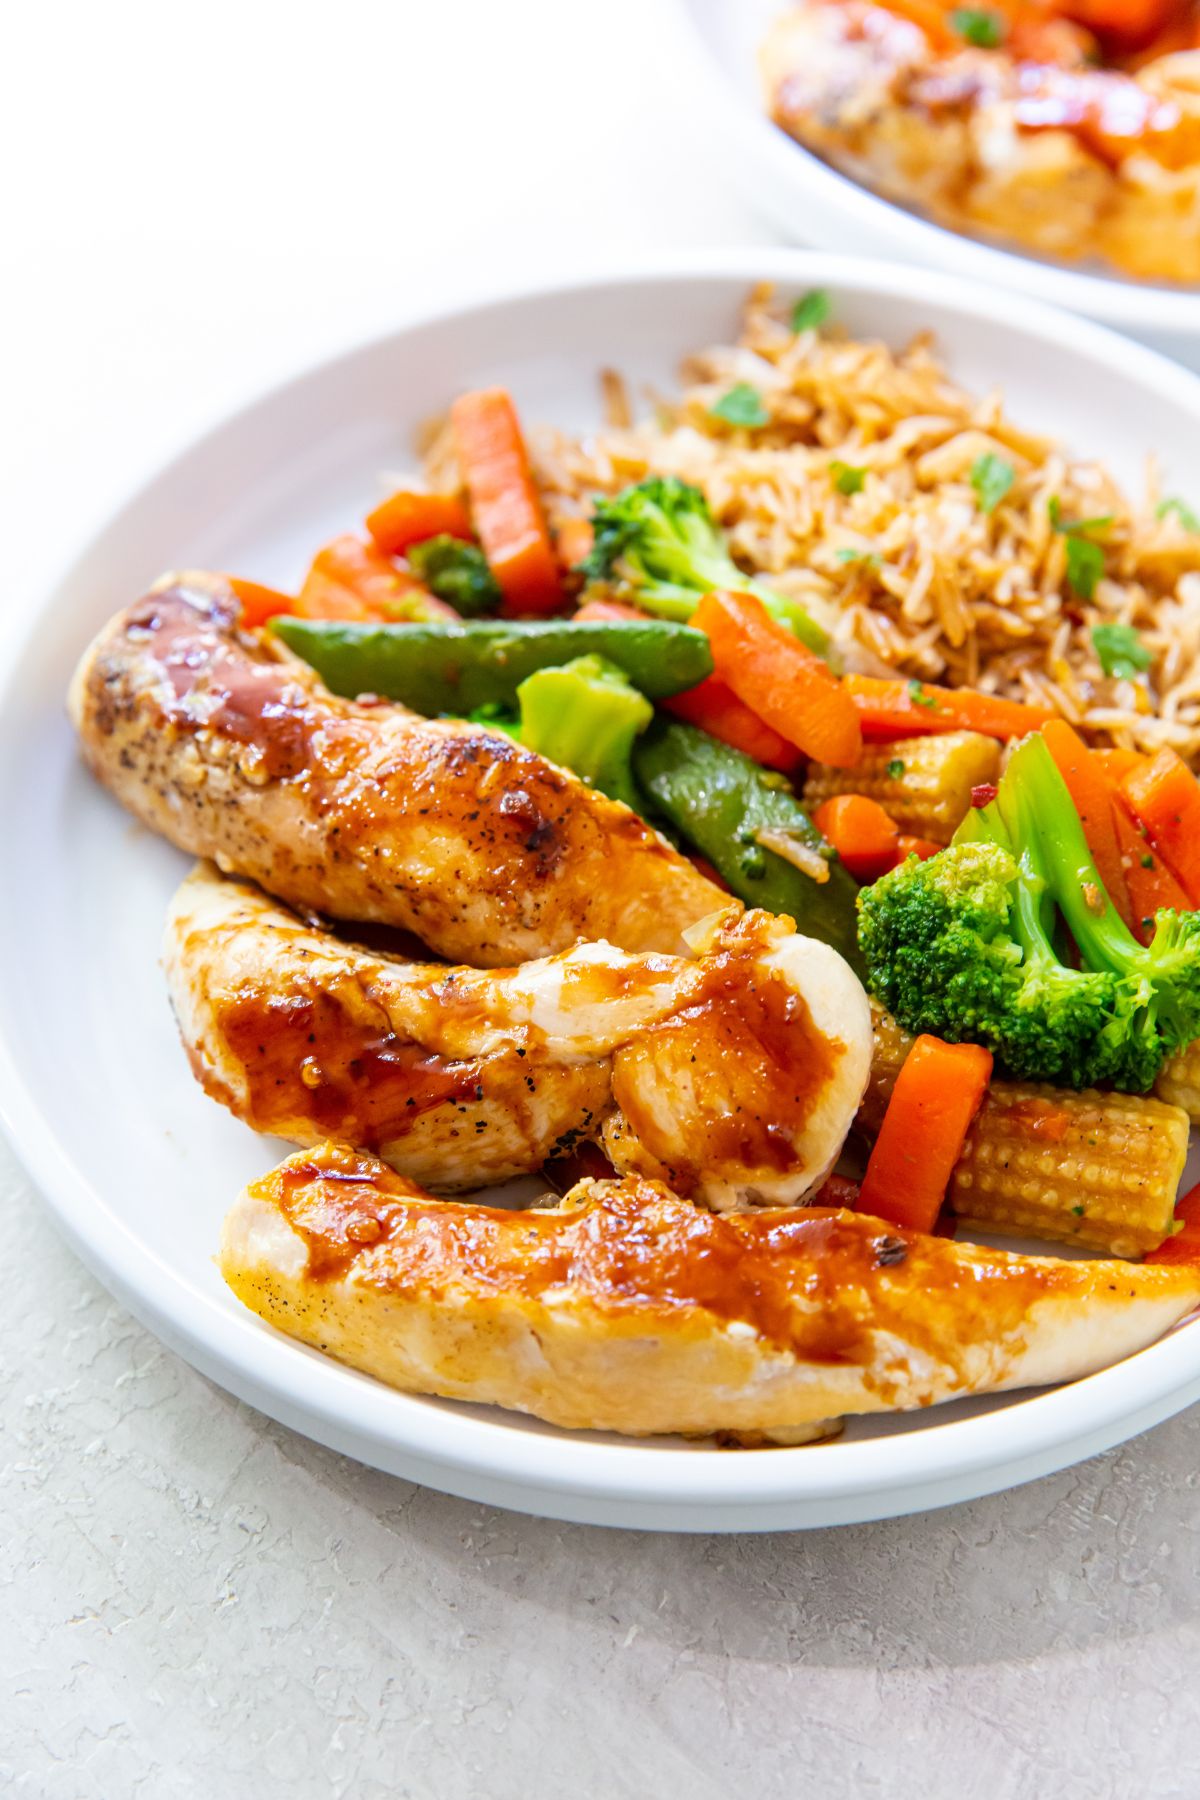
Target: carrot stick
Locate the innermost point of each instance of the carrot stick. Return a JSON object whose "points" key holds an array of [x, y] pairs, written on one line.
{"points": [[715, 707], [1151, 884], [937, 1094], [406, 518], [779, 679], [504, 502], [350, 579], [573, 541], [891, 709], [916, 846], [1183, 1246], [1164, 796], [259, 603], [1092, 793], [861, 832]]}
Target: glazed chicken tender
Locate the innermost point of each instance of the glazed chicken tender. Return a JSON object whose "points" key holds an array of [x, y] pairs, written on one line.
{"points": [[734, 1074], [627, 1309], [232, 749]]}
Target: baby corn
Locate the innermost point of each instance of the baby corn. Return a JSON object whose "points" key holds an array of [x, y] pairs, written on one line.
{"points": [[1179, 1082], [1099, 1170], [924, 783]]}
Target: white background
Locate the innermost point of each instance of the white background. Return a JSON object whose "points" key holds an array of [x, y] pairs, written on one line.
{"points": [[192, 1601]]}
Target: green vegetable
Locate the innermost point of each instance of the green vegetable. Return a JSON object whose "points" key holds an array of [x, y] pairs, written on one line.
{"points": [[1183, 512], [870, 558], [918, 696], [991, 477], [445, 667], [979, 26], [720, 802], [1120, 649], [585, 716], [967, 945], [658, 542], [1085, 558], [895, 769], [811, 310], [456, 572], [742, 405], [846, 478]]}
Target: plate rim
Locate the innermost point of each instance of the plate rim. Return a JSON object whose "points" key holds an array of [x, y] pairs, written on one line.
{"points": [[473, 1455], [1114, 300]]}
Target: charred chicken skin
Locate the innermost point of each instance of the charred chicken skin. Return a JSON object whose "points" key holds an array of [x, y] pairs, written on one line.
{"points": [[232, 749]]}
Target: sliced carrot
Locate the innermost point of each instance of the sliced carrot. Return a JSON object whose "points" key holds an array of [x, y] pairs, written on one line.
{"points": [[1164, 796], [937, 1094], [715, 707], [1092, 792], [1116, 764], [1183, 1246], [573, 541], [608, 609], [260, 603], [778, 678], [350, 579], [504, 502], [1151, 884], [916, 846], [406, 518], [861, 832], [915, 708]]}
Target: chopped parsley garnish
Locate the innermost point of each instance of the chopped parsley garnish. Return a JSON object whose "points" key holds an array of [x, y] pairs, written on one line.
{"points": [[1078, 1211], [811, 310], [1120, 649], [1147, 861], [991, 477], [1085, 558], [846, 478], [895, 769], [919, 697], [980, 26], [1183, 512], [742, 405]]}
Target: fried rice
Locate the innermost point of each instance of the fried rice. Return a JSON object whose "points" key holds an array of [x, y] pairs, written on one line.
{"points": [[909, 572]]}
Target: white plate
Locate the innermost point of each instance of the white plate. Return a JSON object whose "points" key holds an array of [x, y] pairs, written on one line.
{"points": [[810, 203], [139, 1166]]}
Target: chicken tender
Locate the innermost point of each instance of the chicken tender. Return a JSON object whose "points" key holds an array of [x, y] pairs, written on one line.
{"points": [[736, 1074], [232, 749], [626, 1309]]}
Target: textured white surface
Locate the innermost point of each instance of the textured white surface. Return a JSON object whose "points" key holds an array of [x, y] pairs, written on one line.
{"points": [[193, 1602]]}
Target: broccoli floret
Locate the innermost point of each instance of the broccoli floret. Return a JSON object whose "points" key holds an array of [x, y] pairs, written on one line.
{"points": [[456, 572], [971, 945], [585, 715], [658, 542]]}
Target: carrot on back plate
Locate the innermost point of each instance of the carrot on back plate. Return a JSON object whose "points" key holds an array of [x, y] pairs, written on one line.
{"points": [[938, 1092], [778, 678], [1095, 801], [714, 706], [406, 518], [861, 832], [1164, 796], [504, 501]]}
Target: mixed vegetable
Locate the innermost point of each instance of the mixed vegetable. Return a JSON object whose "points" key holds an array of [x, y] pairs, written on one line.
{"points": [[1026, 932]]}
